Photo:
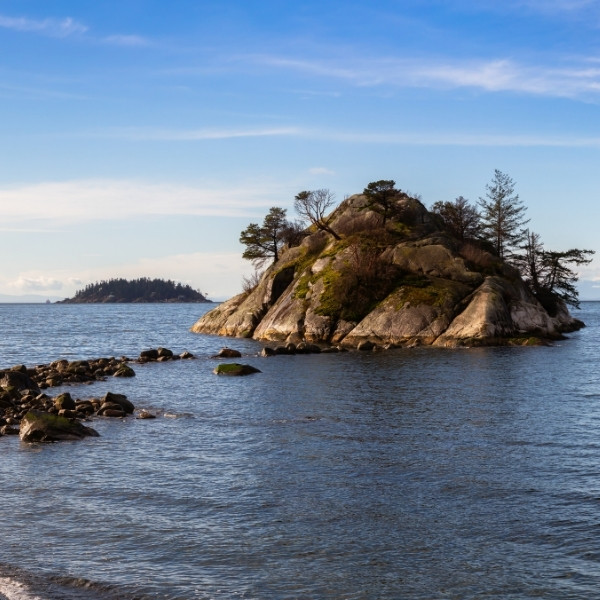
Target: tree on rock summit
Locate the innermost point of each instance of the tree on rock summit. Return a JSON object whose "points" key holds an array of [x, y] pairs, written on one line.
{"points": [[381, 197], [502, 215]]}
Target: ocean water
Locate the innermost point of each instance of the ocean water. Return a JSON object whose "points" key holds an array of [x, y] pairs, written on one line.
{"points": [[408, 474]]}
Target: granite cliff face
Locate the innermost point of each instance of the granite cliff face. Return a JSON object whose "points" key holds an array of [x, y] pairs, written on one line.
{"points": [[408, 283]]}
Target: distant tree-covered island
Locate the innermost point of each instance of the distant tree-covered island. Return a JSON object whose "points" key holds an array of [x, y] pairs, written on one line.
{"points": [[136, 290]]}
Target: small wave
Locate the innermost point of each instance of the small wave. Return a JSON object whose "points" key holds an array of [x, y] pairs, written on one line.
{"points": [[183, 415], [11, 589]]}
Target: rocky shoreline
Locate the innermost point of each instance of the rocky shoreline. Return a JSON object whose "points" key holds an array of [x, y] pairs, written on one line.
{"points": [[27, 410]]}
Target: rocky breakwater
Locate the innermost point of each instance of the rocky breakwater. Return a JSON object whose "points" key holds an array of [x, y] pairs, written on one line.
{"points": [[27, 410], [405, 282]]}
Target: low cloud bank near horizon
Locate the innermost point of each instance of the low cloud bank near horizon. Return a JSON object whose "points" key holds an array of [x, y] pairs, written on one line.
{"points": [[217, 276]]}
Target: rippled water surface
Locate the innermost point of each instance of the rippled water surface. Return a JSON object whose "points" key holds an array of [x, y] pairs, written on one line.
{"points": [[421, 473]]}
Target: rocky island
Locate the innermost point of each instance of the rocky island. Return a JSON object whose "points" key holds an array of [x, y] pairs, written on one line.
{"points": [[398, 277], [141, 290]]}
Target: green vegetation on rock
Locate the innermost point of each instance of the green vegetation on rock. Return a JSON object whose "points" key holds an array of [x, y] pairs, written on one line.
{"points": [[235, 369]]}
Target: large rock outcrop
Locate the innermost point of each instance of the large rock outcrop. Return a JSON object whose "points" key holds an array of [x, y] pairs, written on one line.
{"points": [[408, 283]]}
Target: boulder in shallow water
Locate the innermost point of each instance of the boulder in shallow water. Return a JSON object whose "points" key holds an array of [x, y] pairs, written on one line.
{"points": [[120, 399], [124, 371], [164, 353], [64, 402], [110, 409], [147, 355], [37, 426], [228, 353], [235, 369]]}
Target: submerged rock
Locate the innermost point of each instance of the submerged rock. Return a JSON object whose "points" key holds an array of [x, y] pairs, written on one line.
{"points": [[144, 414], [235, 369]]}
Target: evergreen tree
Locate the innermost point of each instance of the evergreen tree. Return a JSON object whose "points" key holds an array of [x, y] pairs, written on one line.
{"points": [[265, 241], [502, 215], [550, 274], [381, 196]]}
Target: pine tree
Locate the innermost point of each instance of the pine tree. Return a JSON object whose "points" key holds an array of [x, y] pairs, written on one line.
{"points": [[265, 241], [381, 196], [550, 274], [502, 215]]}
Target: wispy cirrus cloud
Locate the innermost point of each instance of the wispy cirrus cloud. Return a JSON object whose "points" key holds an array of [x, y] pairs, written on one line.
{"points": [[57, 203], [405, 138], [577, 78], [51, 27], [67, 26], [190, 135]]}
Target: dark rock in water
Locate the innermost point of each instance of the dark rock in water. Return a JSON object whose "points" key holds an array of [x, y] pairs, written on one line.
{"points": [[306, 348], [84, 406], [110, 409], [235, 369], [38, 426], [146, 355], [69, 414], [186, 355], [64, 402], [17, 380], [119, 399], [285, 350], [228, 353], [164, 353], [124, 371], [266, 351], [8, 430]]}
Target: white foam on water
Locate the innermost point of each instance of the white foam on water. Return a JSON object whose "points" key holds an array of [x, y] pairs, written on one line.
{"points": [[11, 589]]}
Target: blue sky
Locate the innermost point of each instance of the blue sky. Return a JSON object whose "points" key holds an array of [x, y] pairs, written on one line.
{"points": [[139, 137]]}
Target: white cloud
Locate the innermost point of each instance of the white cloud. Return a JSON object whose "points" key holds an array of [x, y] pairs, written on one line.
{"points": [[438, 138], [62, 28], [191, 135], [88, 200], [36, 284], [52, 27], [217, 275], [575, 79]]}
